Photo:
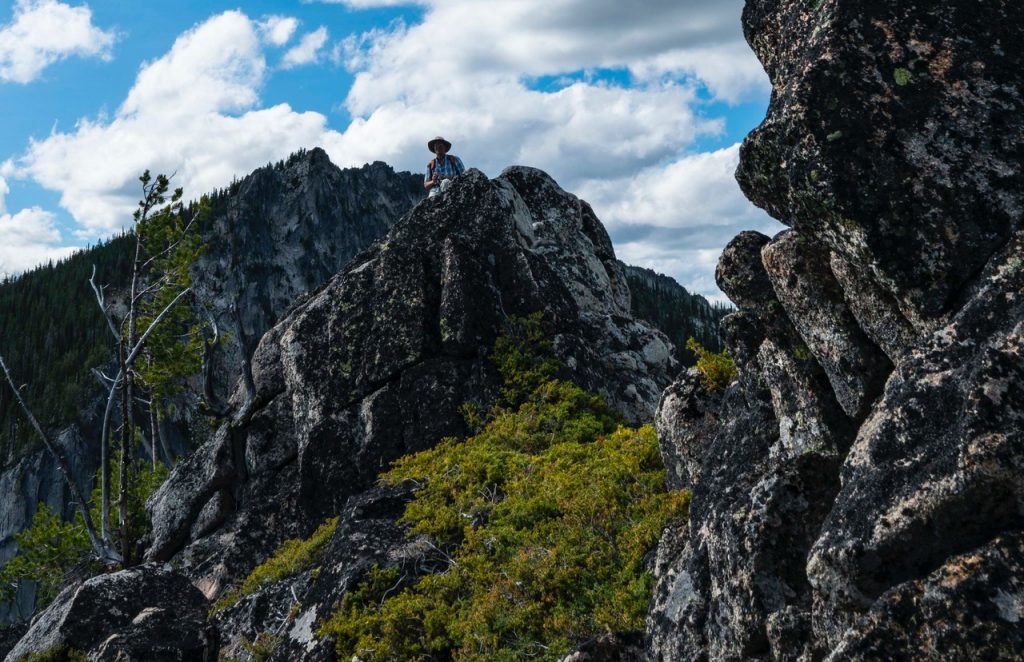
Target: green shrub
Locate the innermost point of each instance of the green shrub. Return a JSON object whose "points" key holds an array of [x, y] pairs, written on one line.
{"points": [[293, 557], [543, 520], [262, 647], [49, 549], [60, 653], [523, 357], [717, 370]]}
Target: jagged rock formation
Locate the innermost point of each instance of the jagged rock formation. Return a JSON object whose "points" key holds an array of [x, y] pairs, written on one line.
{"points": [[857, 490], [894, 132], [376, 364], [284, 230]]}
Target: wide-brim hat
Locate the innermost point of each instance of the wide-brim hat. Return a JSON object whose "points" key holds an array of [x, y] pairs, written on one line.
{"points": [[430, 145]]}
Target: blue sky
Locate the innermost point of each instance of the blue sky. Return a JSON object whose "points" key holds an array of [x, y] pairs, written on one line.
{"points": [[636, 107]]}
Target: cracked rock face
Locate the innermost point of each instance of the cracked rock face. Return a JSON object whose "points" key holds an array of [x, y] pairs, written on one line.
{"points": [[377, 362], [858, 492], [894, 135]]}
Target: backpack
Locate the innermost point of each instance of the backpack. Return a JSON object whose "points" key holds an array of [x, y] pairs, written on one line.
{"points": [[433, 163]]}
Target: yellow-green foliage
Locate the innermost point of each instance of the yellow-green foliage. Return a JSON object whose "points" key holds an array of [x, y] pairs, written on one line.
{"points": [[59, 653], [523, 357], [545, 517], [717, 370], [293, 557], [261, 648]]}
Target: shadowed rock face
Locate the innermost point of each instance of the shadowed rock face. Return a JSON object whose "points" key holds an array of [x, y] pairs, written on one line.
{"points": [[858, 491], [376, 363], [143, 613], [894, 135]]}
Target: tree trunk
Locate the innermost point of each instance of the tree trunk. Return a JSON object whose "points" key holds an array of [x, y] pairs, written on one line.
{"points": [[122, 497], [152, 431]]}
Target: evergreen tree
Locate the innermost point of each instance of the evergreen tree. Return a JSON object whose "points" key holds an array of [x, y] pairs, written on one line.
{"points": [[156, 337]]}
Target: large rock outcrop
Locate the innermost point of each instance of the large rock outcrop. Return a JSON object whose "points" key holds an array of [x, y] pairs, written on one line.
{"points": [[283, 230], [894, 136], [143, 613], [857, 490], [377, 362]]}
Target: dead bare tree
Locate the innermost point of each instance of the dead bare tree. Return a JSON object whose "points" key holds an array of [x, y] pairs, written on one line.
{"points": [[103, 552]]}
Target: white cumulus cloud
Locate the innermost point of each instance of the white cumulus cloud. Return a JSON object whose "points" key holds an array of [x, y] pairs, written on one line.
{"points": [[278, 30], [28, 238], [42, 32], [677, 218], [309, 50], [194, 111]]}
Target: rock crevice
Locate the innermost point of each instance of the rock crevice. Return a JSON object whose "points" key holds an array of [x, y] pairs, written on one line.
{"points": [[857, 492]]}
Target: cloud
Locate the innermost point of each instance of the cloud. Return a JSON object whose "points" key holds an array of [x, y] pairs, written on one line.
{"points": [[193, 112], [418, 81], [677, 218], [607, 98], [527, 88], [307, 51], [4, 190], [540, 37], [43, 32], [278, 30], [367, 4], [27, 239]]}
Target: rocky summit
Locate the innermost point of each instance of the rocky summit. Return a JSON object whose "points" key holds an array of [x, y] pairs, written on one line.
{"points": [[857, 490], [376, 364]]}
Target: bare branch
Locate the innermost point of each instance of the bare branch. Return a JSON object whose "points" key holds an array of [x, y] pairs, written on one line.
{"points": [[103, 379], [155, 285], [163, 313], [103, 308], [213, 403], [102, 552], [105, 473]]}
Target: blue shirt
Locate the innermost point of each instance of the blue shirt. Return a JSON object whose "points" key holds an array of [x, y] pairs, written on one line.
{"points": [[444, 170]]}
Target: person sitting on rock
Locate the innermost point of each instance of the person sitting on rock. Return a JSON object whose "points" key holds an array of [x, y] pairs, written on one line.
{"points": [[442, 168]]}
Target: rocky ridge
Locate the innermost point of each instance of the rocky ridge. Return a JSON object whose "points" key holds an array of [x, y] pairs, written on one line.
{"points": [[857, 490], [376, 364]]}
